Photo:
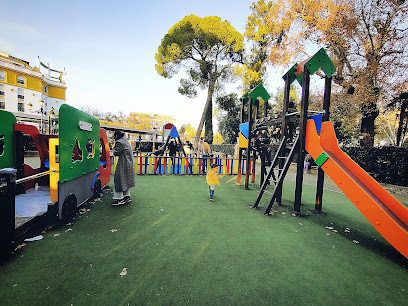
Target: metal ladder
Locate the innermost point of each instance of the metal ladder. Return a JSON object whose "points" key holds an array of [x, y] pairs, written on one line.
{"points": [[281, 154]]}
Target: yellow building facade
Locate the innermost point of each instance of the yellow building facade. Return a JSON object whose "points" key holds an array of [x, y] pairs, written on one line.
{"points": [[31, 91]]}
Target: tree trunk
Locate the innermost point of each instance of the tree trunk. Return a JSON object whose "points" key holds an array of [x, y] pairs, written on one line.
{"points": [[403, 115], [209, 125], [205, 111], [367, 130]]}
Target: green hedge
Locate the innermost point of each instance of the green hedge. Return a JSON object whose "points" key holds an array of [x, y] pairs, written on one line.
{"points": [[385, 164], [224, 148]]}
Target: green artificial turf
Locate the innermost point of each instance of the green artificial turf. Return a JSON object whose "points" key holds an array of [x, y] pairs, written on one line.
{"points": [[179, 248]]}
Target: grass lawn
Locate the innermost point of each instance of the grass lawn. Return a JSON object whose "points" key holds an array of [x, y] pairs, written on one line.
{"points": [[179, 248]]}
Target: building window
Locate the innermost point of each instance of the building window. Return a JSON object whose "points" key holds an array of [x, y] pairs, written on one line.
{"points": [[20, 94], [20, 106], [1, 90], [46, 89], [20, 80], [2, 76], [2, 104]]}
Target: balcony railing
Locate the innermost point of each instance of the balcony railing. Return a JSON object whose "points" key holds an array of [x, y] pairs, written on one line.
{"points": [[21, 97]]}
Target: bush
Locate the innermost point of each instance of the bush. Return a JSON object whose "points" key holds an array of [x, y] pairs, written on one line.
{"points": [[224, 148], [385, 164]]}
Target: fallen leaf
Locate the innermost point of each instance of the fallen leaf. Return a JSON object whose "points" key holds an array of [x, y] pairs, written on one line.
{"points": [[70, 229], [334, 231], [356, 241], [21, 246], [15, 285], [113, 230], [56, 235], [300, 223], [329, 227], [124, 272], [327, 234]]}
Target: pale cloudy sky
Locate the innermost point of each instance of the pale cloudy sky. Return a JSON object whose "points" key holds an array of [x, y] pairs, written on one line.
{"points": [[108, 48]]}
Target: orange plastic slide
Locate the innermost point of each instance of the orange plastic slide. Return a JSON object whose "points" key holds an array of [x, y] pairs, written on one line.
{"points": [[388, 216]]}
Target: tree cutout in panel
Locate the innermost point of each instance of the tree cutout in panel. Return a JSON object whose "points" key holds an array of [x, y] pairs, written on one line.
{"points": [[77, 152], [90, 148], [1, 145]]}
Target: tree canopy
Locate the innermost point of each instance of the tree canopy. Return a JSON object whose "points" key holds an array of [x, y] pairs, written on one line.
{"points": [[207, 48], [366, 40], [229, 117]]}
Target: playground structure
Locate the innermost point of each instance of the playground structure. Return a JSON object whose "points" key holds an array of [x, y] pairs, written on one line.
{"points": [[74, 167], [380, 208]]}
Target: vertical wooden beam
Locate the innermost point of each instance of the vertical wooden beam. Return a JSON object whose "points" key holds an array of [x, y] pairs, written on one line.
{"points": [[266, 109], [8, 211], [248, 157], [239, 166], [302, 137], [242, 118], [253, 151], [320, 172], [284, 130]]}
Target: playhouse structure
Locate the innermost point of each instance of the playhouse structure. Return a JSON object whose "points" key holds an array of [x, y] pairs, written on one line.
{"points": [[74, 167]]}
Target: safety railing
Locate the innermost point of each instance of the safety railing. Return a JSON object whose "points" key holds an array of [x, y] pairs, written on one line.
{"points": [[180, 165]]}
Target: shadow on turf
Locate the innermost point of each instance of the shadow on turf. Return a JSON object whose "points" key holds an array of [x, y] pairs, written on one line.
{"points": [[344, 229], [353, 233]]}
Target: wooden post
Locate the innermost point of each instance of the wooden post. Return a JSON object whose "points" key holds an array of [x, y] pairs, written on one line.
{"points": [[320, 172], [284, 130], [239, 166], [253, 166], [302, 137], [263, 168], [248, 157], [7, 217], [253, 151], [265, 109], [242, 118]]}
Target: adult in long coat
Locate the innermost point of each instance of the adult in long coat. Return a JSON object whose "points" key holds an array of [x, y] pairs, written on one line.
{"points": [[124, 178]]}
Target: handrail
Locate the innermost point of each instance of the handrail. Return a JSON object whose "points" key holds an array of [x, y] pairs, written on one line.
{"points": [[31, 177]]}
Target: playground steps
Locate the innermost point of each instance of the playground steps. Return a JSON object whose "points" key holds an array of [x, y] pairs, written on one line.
{"points": [[284, 154]]}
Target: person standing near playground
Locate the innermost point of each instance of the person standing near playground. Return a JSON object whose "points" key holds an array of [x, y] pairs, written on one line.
{"points": [[173, 148], [124, 178], [212, 180], [204, 151]]}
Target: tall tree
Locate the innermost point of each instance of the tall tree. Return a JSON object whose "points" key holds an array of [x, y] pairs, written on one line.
{"points": [[366, 39], [229, 117], [208, 48]]}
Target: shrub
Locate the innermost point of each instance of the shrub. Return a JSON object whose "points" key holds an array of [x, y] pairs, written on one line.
{"points": [[385, 164]]}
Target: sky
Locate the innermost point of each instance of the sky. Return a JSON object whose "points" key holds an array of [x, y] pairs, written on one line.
{"points": [[107, 49]]}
